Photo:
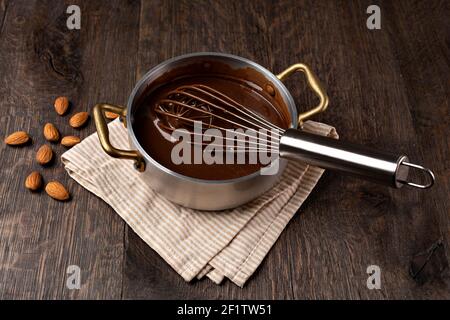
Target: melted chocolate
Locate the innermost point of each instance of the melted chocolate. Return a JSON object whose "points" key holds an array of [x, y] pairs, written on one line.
{"points": [[158, 143]]}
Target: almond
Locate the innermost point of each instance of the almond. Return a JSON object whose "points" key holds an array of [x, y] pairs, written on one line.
{"points": [[17, 138], [61, 105], [78, 119], [111, 115], [50, 132], [34, 181], [70, 141], [44, 154], [57, 191]]}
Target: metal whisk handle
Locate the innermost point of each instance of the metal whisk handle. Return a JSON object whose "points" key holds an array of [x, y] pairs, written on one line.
{"points": [[328, 153]]}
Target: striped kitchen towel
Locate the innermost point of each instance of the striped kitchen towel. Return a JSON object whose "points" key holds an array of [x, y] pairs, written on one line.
{"points": [[230, 243]]}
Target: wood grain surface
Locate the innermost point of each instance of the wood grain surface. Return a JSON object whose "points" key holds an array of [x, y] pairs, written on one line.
{"points": [[388, 88]]}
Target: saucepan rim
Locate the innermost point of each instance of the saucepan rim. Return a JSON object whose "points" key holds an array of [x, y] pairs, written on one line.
{"points": [[143, 81]]}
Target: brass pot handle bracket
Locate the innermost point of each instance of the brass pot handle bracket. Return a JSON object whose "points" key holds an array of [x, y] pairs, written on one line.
{"points": [[313, 83], [103, 135]]}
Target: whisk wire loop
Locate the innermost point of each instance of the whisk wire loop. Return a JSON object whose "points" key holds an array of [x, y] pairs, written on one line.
{"points": [[190, 104]]}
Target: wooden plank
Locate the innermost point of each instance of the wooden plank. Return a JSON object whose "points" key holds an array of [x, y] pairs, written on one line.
{"points": [[171, 28], [39, 60], [419, 38], [367, 224]]}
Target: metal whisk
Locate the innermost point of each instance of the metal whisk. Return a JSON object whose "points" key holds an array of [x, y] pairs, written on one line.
{"points": [[189, 104], [192, 104]]}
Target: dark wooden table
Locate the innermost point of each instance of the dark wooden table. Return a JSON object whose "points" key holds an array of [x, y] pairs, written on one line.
{"points": [[388, 88]]}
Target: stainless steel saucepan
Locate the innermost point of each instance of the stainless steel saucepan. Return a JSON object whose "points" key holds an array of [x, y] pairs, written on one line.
{"points": [[324, 152]]}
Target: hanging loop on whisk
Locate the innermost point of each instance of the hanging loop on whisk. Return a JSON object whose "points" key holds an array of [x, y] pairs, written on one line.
{"points": [[313, 83], [423, 169]]}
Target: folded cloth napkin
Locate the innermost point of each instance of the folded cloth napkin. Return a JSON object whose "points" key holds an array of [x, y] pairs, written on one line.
{"points": [[230, 243]]}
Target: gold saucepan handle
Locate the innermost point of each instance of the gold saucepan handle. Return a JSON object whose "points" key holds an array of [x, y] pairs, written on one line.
{"points": [[103, 135], [313, 83]]}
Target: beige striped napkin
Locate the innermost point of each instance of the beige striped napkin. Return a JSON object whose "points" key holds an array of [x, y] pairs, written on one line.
{"points": [[230, 243]]}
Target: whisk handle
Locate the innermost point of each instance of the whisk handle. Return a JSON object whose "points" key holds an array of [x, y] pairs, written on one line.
{"points": [[370, 164]]}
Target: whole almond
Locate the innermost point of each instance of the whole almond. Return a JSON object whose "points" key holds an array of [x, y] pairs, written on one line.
{"points": [[78, 119], [111, 115], [50, 132], [34, 181], [44, 154], [70, 141], [17, 138], [61, 105], [57, 191]]}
